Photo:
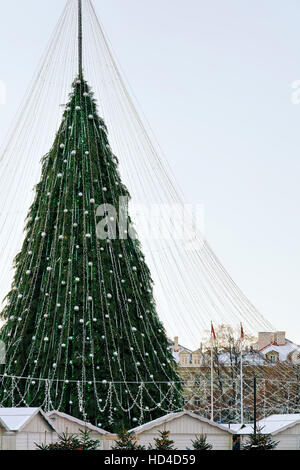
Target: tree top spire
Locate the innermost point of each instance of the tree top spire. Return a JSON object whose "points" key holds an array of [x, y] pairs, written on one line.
{"points": [[80, 38]]}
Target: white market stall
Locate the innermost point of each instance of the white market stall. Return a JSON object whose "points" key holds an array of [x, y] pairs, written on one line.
{"points": [[183, 427], [23, 428]]}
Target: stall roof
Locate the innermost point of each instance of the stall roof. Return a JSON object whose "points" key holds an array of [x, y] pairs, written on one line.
{"points": [[14, 419]]}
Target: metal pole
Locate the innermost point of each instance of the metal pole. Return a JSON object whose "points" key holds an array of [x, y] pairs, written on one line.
{"points": [[211, 383], [254, 405], [242, 391], [80, 38]]}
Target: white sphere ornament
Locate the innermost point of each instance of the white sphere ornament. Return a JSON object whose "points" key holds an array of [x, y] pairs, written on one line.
{"points": [[49, 268], [75, 225], [92, 201], [77, 279], [88, 235], [62, 146], [87, 152], [73, 152], [78, 108], [104, 189], [46, 339], [81, 321], [59, 175], [85, 94], [60, 237], [91, 116], [109, 296], [80, 194], [63, 283], [54, 365], [134, 268], [20, 296], [43, 234], [30, 252], [115, 353], [90, 299], [63, 345], [76, 308], [28, 272]]}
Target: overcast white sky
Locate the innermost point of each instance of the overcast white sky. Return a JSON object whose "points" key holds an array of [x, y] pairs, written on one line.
{"points": [[214, 79]]}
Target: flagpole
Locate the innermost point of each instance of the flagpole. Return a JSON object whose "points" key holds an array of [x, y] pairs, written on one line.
{"points": [[212, 376], [211, 383], [242, 391], [241, 374]]}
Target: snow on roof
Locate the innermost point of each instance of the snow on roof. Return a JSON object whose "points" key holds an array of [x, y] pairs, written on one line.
{"points": [[283, 350], [171, 416], [51, 415], [14, 419], [273, 424], [252, 358]]}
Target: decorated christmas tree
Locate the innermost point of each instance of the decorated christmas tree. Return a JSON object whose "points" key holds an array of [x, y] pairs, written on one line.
{"points": [[81, 330]]}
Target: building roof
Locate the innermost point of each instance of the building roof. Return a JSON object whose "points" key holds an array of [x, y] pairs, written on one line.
{"points": [[15, 419], [169, 417], [251, 358], [84, 424], [283, 350], [273, 424]]}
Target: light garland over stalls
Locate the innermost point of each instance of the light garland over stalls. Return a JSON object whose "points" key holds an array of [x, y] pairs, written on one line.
{"points": [[273, 396]]}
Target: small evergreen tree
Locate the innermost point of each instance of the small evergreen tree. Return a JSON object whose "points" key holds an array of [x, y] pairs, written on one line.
{"points": [[260, 441], [127, 441], [72, 442], [200, 443], [163, 442]]}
